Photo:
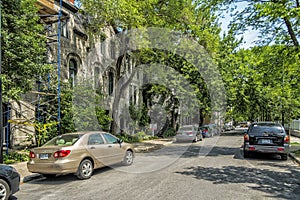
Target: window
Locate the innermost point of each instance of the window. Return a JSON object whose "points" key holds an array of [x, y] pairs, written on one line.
{"points": [[64, 29], [110, 82], [72, 72], [97, 80], [110, 139], [95, 139]]}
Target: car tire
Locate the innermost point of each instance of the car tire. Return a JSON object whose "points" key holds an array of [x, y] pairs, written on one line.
{"points": [[85, 169], [128, 158], [247, 154], [4, 188], [284, 156], [196, 139]]}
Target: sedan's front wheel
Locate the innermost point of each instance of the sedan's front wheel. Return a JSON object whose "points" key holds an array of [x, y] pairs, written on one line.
{"points": [[128, 158], [85, 169]]}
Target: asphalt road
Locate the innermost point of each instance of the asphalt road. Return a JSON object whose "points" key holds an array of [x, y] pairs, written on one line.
{"points": [[209, 169]]}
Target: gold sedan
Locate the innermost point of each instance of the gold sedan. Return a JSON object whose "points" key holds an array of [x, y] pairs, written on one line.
{"points": [[79, 153]]}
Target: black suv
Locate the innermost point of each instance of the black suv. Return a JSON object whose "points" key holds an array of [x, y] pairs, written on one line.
{"points": [[266, 137]]}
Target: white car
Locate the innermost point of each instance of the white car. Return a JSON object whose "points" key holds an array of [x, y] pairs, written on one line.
{"points": [[189, 133]]}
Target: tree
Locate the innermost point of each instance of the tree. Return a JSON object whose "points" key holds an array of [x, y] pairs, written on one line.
{"points": [[191, 18], [23, 47], [262, 82]]}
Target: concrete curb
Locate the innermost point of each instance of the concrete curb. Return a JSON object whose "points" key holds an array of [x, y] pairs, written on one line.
{"points": [[30, 178], [295, 158], [145, 147]]}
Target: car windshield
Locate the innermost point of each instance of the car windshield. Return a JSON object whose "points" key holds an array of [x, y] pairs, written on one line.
{"points": [[186, 128], [63, 140], [266, 129]]}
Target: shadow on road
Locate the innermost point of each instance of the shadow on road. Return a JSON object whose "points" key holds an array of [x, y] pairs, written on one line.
{"points": [[277, 184], [62, 179]]}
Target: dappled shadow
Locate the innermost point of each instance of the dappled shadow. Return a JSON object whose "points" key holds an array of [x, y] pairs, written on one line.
{"points": [[187, 150], [62, 179], [276, 184]]}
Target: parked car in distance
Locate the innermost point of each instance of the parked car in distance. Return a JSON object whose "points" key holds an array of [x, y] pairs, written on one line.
{"points": [[266, 137], [209, 130], [79, 153], [188, 133], [9, 181]]}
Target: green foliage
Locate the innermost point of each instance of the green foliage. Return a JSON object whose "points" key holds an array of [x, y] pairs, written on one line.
{"points": [[170, 132], [23, 47], [129, 138], [45, 132], [139, 114], [103, 118], [277, 21], [14, 156]]}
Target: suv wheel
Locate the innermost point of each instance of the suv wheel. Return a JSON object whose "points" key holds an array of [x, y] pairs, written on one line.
{"points": [[284, 156]]}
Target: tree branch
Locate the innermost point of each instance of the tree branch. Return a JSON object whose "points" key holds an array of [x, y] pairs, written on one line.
{"points": [[291, 31]]}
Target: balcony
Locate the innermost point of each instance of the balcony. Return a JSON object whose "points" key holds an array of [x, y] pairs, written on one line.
{"points": [[46, 7]]}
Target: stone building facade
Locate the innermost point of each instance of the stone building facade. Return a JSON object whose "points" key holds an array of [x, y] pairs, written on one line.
{"points": [[81, 58]]}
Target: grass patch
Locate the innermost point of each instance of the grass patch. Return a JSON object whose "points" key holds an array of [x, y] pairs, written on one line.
{"points": [[295, 143], [297, 153]]}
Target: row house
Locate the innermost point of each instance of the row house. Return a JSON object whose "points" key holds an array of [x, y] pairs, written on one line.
{"points": [[81, 57]]}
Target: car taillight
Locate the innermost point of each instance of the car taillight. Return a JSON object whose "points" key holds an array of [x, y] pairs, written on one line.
{"points": [[246, 137], [31, 154], [190, 133], [280, 148], [61, 153], [251, 148], [286, 139]]}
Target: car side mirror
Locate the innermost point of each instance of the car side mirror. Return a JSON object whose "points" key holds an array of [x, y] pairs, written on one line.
{"points": [[120, 141]]}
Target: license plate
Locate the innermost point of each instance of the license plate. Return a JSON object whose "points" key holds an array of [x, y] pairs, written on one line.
{"points": [[44, 156], [266, 141]]}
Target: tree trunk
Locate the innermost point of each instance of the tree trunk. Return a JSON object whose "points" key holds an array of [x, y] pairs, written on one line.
{"points": [[291, 32]]}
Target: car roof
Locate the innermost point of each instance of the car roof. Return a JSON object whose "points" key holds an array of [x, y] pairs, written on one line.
{"points": [[266, 123], [84, 132]]}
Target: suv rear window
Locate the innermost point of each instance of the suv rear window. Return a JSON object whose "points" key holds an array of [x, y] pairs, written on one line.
{"points": [[266, 128]]}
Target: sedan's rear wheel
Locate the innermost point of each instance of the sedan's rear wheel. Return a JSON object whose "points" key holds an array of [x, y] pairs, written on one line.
{"points": [[4, 190], [128, 158], [85, 169]]}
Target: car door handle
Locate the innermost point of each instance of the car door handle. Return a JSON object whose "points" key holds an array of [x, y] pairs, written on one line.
{"points": [[109, 146], [92, 148]]}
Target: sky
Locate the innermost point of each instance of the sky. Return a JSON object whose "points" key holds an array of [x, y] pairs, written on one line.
{"points": [[249, 36]]}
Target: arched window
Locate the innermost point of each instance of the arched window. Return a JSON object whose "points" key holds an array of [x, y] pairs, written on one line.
{"points": [[72, 72], [110, 82]]}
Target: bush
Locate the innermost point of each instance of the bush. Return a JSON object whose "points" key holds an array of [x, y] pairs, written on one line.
{"points": [[170, 132], [14, 156], [129, 138]]}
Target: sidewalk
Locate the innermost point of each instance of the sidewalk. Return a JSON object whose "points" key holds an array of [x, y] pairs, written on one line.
{"points": [[140, 147], [295, 148]]}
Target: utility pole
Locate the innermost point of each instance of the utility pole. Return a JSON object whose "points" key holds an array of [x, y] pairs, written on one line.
{"points": [[1, 111]]}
